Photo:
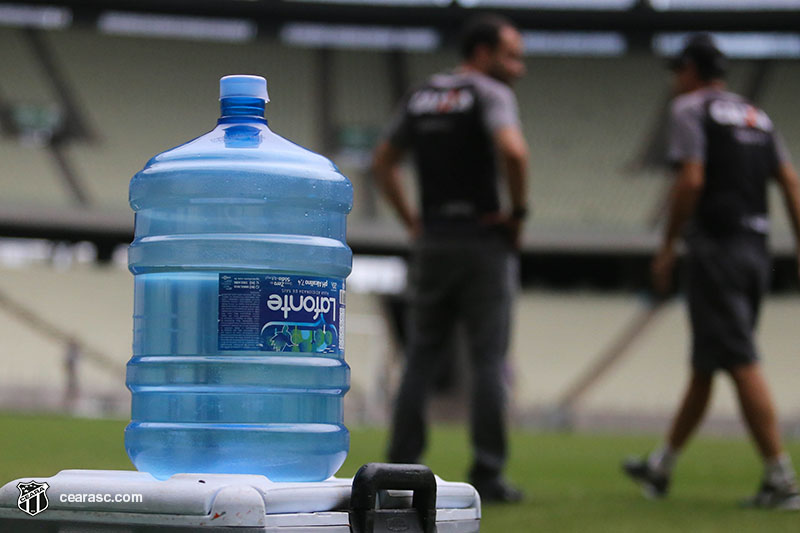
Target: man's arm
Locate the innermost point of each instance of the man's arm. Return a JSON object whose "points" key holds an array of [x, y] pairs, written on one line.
{"points": [[688, 185], [788, 181], [386, 169], [513, 152], [501, 116]]}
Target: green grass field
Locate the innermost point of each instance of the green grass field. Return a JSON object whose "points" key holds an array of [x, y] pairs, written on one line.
{"points": [[572, 480]]}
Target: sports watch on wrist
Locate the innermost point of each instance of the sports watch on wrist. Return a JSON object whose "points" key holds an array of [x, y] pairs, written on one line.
{"points": [[520, 213]]}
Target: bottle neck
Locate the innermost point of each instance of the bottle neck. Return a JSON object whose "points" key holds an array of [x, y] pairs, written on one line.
{"points": [[242, 109]]}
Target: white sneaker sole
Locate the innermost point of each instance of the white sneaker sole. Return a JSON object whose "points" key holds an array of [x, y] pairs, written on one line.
{"points": [[792, 504]]}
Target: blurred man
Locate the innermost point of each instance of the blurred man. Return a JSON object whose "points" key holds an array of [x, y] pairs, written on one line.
{"points": [[461, 127], [725, 150]]}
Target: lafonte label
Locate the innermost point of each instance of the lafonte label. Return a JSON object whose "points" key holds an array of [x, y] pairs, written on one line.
{"points": [[281, 313]]}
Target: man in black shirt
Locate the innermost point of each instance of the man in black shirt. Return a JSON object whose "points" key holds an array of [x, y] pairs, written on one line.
{"points": [[461, 127], [725, 151]]}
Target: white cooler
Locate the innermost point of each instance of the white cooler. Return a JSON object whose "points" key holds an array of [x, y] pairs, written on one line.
{"points": [[381, 498]]}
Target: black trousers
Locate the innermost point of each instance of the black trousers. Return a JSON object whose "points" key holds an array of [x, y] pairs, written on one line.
{"points": [[472, 279]]}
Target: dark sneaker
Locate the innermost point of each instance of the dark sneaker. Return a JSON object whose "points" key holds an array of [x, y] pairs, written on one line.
{"points": [[783, 497], [654, 485], [498, 491]]}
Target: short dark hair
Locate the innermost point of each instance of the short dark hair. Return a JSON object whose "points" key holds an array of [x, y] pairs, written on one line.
{"points": [[701, 51], [482, 29]]}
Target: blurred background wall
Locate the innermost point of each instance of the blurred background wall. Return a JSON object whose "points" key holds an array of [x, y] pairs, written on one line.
{"points": [[89, 90]]}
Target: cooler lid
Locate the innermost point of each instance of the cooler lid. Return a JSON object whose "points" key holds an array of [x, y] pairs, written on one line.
{"points": [[216, 500]]}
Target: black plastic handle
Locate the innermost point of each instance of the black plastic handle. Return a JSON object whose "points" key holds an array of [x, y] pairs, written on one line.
{"points": [[374, 477]]}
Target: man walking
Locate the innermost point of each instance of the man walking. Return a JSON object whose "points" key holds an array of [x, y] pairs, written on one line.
{"points": [[725, 150], [461, 127]]}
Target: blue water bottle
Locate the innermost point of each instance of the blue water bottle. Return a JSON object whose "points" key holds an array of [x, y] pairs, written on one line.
{"points": [[239, 261]]}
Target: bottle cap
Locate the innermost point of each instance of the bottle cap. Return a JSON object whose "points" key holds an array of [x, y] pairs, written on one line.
{"points": [[244, 86]]}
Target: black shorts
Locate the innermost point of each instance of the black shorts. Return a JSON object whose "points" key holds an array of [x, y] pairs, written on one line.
{"points": [[726, 281]]}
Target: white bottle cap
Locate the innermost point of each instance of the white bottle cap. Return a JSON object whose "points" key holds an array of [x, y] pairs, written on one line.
{"points": [[243, 85]]}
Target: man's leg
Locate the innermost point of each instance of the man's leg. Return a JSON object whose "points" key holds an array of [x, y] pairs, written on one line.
{"points": [[486, 309], [653, 472], [778, 487], [430, 320], [704, 289], [409, 427], [757, 409], [488, 400], [691, 411]]}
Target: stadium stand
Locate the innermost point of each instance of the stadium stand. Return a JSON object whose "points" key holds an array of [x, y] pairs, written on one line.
{"points": [[27, 176], [30, 178], [159, 99], [587, 120], [41, 305], [360, 100], [28, 81], [361, 93], [420, 65], [602, 109], [778, 102], [648, 381], [547, 355], [778, 97]]}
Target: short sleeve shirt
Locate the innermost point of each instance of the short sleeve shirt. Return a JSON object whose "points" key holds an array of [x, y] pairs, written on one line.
{"points": [[499, 105], [687, 136]]}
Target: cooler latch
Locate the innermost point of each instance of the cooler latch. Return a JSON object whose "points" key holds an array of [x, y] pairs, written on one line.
{"points": [[367, 517]]}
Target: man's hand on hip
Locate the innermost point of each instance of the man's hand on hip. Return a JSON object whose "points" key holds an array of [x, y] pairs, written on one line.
{"points": [[661, 269]]}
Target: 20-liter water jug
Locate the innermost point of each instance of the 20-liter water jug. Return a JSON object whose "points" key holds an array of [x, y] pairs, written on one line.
{"points": [[239, 260]]}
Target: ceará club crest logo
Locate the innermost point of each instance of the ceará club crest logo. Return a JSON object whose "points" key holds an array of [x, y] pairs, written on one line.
{"points": [[32, 497]]}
